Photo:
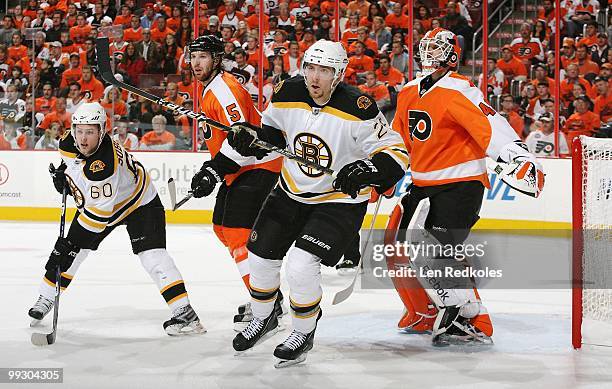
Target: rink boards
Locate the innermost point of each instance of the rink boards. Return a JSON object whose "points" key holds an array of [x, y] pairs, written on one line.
{"points": [[26, 192]]}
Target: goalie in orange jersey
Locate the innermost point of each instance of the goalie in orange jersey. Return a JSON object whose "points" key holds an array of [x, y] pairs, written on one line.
{"points": [[448, 143], [245, 181]]}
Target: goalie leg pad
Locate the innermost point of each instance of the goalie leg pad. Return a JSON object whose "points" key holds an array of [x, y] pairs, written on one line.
{"points": [[162, 270], [420, 312]]}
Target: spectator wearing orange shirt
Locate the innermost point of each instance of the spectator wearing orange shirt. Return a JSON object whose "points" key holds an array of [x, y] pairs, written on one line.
{"points": [[388, 74], [124, 18], [590, 36], [134, 33], [292, 59], [350, 34], [424, 16], [308, 40], [568, 52], [541, 75], [377, 90], [17, 50], [174, 21], [396, 19], [45, 103], [359, 6], [159, 138], [113, 104], [586, 67], [582, 121], [512, 67], [230, 16], [526, 48], [603, 101], [159, 33], [91, 88], [567, 85], [59, 115], [81, 31], [370, 44], [509, 113], [68, 45], [359, 62], [253, 20], [373, 12], [172, 94], [126, 139], [185, 86]]}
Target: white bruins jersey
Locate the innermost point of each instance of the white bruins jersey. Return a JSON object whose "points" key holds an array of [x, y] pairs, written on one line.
{"points": [[348, 128], [106, 186]]}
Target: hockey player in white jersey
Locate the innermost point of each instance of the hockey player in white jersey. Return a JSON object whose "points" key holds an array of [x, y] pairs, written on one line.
{"points": [[111, 188], [318, 117]]}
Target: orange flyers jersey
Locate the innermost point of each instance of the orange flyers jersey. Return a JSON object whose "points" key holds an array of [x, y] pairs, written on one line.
{"points": [[225, 100], [448, 129]]}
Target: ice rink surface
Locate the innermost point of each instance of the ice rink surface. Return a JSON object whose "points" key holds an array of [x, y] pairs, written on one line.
{"points": [[110, 329]]}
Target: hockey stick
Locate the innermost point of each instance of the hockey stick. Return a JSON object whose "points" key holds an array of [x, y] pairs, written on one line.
{"points": [[39, 339], [346, 292], [172, 192], [106, 72]]}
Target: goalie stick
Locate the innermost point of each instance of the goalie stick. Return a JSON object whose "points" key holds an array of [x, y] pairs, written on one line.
{"points": [[39, 339], [106, 72]]}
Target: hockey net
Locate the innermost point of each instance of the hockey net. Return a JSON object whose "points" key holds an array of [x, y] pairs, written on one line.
{"points": [[592, 242]]}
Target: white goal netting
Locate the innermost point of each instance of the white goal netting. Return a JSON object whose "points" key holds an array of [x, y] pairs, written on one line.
{"points": [[597, 236]]}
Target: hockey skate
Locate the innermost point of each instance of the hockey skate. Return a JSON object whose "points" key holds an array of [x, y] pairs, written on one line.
{"points": [[184, 322], [452, 329], [295, 348], [245, 313], [257, 331], [348, 266], [40, 309]]}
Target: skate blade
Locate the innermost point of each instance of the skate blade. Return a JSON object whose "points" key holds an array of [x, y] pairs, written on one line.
{"points": [[412, 331], [267, 336], [282, 363], [192, 329], [463, 342]]}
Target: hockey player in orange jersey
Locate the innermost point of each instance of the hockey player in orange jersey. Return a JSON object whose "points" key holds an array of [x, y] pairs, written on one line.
{"points": [[245, 181], [449, 129]]}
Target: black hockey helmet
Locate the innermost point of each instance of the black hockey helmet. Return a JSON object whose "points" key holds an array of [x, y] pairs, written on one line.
{"points": [[210, 43]]}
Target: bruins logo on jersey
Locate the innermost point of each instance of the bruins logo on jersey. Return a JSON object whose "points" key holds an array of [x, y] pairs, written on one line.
{"points": [[97, 166], [79, 199], [364, 102], [314, 149]]}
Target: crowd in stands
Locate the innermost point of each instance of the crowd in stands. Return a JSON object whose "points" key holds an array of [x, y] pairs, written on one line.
{"points": [[523, 80], [48, 60]]}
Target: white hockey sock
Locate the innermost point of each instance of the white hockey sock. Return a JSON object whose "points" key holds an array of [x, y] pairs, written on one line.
{"points": [[160, 266], [47, 288], [265, 281], [303, 271]]}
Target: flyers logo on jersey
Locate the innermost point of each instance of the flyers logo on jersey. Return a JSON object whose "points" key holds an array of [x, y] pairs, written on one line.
{"points": [[97, 166], [546, 147], [420, 125], [524, 51], [314, 149]]}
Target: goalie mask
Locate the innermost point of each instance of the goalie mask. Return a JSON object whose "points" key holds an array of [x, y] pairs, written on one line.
{"points": [[439, 49], [89, 113]]}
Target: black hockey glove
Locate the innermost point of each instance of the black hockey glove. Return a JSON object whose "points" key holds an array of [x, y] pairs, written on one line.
{"points": [[203, 182], [241, 138], [63, 255], [355, 176], [58, 176]]}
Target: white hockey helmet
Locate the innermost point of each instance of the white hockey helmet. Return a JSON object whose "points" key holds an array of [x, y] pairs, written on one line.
{"points": [[438, 49], [90, 113], [327, 53]]}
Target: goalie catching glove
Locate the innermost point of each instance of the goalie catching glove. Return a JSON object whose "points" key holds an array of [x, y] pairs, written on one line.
{"points": [[522, 172]]}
